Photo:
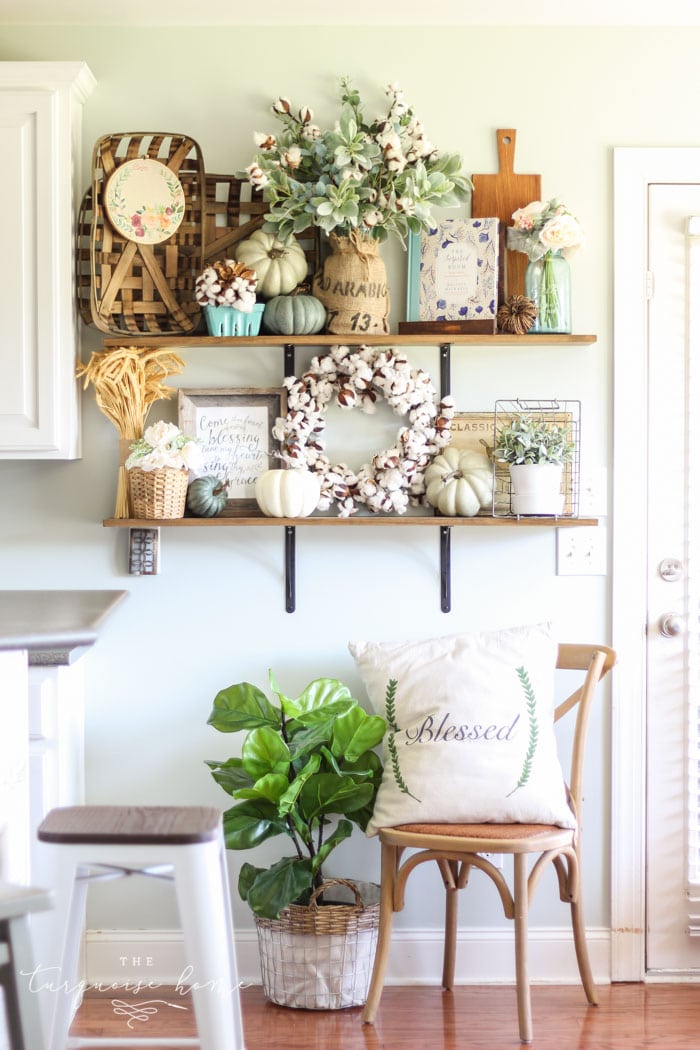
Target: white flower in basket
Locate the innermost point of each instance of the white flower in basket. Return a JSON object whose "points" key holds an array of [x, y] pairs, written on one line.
{"points": [[164, 445], [159, 467]]}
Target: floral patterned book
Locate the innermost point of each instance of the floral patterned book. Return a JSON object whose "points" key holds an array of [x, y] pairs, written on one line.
{"points": [[453, 272]]}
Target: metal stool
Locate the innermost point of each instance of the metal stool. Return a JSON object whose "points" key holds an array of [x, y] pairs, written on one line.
{"points": [[180, 843], [16, 963]]}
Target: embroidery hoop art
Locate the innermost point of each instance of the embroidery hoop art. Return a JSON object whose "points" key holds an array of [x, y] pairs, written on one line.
{"points": [[394, 477], [144, 200]]}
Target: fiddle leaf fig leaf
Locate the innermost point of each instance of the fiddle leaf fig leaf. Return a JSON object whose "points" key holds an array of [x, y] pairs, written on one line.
{"points": [[271, 787], [321, 693], [356, 732], [264, 752], [289, 797], [280, 885], [243, 706], [250, 823], [328, 793], [230, 775]]}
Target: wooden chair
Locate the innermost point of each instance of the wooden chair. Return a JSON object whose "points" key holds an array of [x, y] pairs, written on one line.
{"points": [[457, 848], [16, 964]]}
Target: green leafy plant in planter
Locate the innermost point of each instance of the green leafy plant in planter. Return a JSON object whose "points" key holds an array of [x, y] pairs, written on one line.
{"points": [[532, 439], [303, 762], [536, 450]]}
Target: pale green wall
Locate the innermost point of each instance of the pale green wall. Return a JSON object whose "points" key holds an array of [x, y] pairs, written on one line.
{"points": [[216, 614]]}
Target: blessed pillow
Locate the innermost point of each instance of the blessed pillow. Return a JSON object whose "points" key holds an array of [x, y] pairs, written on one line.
{"points": [[470, 734]]}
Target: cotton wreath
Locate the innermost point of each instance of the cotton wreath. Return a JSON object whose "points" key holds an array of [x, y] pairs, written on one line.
{"points": [[394, 478]]}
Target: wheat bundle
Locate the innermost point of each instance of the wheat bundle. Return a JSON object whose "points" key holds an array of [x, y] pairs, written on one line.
{"points": [[127, 380]]}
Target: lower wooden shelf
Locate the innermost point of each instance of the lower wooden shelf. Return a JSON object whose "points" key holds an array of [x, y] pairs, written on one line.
{"points": [[144, 537], [392, 520]]}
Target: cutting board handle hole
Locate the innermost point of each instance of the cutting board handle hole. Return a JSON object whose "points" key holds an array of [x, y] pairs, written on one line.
{"points": [[507, 140]]}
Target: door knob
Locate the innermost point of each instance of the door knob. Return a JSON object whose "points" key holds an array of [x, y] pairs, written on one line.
{"points": [[671, 625]]}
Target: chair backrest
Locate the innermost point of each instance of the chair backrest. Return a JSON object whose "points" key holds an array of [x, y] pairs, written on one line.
{"points": [[596, 661]]}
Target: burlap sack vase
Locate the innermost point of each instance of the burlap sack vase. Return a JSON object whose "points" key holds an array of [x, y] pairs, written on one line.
{"points": [[352, 286]]}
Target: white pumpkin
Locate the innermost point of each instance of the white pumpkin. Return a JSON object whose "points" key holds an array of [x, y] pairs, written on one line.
{"points": [[280, 265], [459, 482], [290, 493]]}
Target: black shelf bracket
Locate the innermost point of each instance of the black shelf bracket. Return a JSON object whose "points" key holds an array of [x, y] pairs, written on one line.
{"points": [[289, 362], [445, 568], [445, 530], [290, 581], [445, 380], [290, 532]]}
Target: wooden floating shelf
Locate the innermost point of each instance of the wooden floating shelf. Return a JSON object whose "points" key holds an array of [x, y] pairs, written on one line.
{"points": [[379, 520], [436, 339], [144, 534]]}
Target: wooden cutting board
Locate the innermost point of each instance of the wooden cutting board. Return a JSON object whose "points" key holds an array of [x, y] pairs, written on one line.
{"points": [[499, 195]]}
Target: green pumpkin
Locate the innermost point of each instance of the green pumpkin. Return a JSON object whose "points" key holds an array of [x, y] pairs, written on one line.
{"points": [[206, 496], [294, 315]]}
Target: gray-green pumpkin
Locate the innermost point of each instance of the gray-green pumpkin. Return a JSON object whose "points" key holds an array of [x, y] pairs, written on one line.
{"points": [[294, 315], [206, 496]]}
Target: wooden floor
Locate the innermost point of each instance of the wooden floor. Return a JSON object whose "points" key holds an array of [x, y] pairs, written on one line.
{"points": [[629, 1017]]}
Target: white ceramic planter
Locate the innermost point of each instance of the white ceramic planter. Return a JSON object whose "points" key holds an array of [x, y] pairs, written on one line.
{"points": [[536, 488]]}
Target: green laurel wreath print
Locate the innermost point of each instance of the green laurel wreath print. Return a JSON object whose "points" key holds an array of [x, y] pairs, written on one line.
{"points": [[390, 710], [531, 706]]}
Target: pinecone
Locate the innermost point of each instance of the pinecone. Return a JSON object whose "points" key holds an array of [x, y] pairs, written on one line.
{"points": [[517, 315]]}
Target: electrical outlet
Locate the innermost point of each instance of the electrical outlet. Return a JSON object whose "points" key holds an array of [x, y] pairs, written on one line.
{"points": [[593, 493], [582, 551]]}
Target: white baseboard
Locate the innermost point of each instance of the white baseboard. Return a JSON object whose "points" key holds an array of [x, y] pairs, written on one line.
{"points": [[484, 956]]}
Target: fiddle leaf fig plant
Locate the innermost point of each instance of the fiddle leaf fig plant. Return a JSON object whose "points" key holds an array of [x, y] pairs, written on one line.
{"points": [[303, 761]]}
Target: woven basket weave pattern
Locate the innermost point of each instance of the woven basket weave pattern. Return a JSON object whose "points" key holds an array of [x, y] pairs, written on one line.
{"points": [[158, 493], [319, 958]]}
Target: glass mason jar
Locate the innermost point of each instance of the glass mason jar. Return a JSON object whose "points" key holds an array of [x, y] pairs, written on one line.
{"points": [[548, 284]]}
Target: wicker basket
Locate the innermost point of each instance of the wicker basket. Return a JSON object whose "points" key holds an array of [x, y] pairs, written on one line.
{"points": [[158, 493], [320, 957]]}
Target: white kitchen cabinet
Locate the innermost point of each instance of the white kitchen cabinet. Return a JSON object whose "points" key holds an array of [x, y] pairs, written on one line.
{"points": [[40, 130]]}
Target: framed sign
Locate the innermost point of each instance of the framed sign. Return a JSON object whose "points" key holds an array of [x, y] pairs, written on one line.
{"points": [[235, 430], [453, 273]]}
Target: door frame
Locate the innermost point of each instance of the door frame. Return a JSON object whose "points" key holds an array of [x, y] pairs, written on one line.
{"points": [[634, 170]]}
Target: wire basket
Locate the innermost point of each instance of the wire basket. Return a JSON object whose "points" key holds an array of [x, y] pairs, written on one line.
{"points": [[556, 413], [158, 493], [320, 957]]}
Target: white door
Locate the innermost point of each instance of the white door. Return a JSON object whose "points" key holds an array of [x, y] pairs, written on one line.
{"points": [[673, 530]]}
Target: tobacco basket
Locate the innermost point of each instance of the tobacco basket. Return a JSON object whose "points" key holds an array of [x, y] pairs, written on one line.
{"points": [[141, 288]]}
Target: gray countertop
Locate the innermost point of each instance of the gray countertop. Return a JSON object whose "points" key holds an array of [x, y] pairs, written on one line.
{"points": [[55, 626]]}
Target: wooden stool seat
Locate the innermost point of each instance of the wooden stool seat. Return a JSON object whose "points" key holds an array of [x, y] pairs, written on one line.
{"points": [[159, 825], [180, 844], [16, 963]]}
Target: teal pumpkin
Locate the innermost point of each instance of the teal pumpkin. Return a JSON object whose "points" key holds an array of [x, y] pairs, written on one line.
{"points": [[294, 315], [206, 496]]}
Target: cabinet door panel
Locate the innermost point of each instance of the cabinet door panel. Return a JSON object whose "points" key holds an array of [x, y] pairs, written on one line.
{"points": [[39, 128]]}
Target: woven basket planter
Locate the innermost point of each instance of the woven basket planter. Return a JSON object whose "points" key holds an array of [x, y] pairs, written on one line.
{"points": [[320, 957], [158, 493]]}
